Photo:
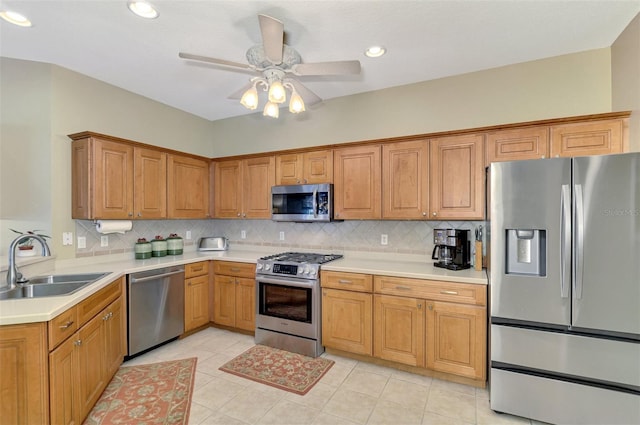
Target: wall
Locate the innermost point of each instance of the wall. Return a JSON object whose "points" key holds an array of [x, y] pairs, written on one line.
{"points": [[625, 70], [575, 84], [62, 102]]}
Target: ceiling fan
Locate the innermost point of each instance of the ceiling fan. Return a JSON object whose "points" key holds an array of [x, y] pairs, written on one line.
{"points": [[278, 65]]}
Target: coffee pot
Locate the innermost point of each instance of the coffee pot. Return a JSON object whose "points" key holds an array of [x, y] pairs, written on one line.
{"points": [[451, 249]]}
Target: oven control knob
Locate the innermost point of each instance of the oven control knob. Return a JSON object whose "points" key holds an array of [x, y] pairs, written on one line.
{"points": [[313, 272], [259, 266], [267, 267]]}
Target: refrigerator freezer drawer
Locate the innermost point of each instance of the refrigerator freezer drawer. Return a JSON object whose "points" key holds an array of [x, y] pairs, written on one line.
{"points": [[594, 358], [560, 402]]}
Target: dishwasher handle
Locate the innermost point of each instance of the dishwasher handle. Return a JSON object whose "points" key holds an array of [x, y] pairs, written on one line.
{"points": [[155, 276]]}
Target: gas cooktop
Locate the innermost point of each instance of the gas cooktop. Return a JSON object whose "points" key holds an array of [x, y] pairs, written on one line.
{"points": [[294, 264], [302, 257]]}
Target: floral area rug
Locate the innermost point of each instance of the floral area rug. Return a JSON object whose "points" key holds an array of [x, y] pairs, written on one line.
{"points": [[281, 369], [157, 393]]}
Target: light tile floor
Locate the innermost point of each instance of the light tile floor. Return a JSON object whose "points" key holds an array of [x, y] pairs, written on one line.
{"points": [[352, 392]]}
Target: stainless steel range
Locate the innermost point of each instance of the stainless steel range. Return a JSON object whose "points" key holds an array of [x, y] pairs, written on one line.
{"points": [[288, 301]]}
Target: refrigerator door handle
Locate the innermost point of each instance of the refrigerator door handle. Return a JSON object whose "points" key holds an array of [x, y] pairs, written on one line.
{"points": [[565, 240], [579, 242]]}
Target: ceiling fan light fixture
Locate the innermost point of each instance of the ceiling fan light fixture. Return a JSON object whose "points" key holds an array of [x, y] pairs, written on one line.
{"points": [[143, 9], [271, 110], [277, 93], [375, 51], [250, 98], [296, 104], [15, 18]]}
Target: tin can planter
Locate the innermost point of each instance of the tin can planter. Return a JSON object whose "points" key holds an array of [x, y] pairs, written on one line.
{"points": [[142, 249], [175, 245], [158, 247]]}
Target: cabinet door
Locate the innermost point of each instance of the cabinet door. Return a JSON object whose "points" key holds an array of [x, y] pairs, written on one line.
{"points": [[358, 183], [405, 180], [346, 321], [588, 138], [196, 300], [399, 329], [150, 184], [457, 177], [289, 169], [227, 193], [259, 176], [23, 374], [91, 364], [318, 167], [224, 300], [518, 144], [187, 187], [63, 383], [114, 352], [456, 339], [112, 180], [81, 199], [245, 304]]}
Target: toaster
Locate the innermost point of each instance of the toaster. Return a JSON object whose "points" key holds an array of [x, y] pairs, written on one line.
{"points": [[213, 243]]}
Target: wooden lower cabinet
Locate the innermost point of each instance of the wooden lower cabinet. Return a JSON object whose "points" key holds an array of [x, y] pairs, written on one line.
{"points": [[399, 329], [81, 367], [456, 339], [234, 295], [347, 320], [24, 374], [196, 295]]}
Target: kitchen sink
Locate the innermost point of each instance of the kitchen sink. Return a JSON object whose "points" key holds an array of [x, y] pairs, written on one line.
{"points": [[51, 285]]}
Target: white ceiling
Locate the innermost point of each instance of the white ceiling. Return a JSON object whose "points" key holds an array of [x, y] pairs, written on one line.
{"points": [[425, 40]]}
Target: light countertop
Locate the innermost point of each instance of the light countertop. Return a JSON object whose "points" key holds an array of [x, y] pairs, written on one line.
{"points": [[28, 310]]}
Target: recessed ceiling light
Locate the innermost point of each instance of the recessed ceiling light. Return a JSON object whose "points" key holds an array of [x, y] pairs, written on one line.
{"points": [[143, 9], [375, 51], [15, 18]]}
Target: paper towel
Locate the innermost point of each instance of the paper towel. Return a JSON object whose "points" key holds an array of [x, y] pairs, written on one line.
{"points": [[113, 226]]}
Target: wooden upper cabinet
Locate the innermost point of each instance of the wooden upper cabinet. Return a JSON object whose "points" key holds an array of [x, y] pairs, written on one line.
{"points": [[187, 187], [305, 168], [258, 177], [457, 177], [357, 182], [242, 188], [102, 179], [150, 184], [518, 144], [405, 180], [589, 138]]}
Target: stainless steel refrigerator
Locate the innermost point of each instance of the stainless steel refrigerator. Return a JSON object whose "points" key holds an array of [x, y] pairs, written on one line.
{"points": [[565, 289]]}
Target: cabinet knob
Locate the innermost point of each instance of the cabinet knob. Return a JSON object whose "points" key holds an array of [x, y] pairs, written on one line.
{"points": [[78, 343], [244, 215], [238, 214], [139, 214], [130, 214], [430, 306], [434, 213], [419, 306], [305, 181], [424, 214]]}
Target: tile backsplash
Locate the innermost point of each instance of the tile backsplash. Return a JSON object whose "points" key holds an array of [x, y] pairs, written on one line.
{"points": [[404, 237]]}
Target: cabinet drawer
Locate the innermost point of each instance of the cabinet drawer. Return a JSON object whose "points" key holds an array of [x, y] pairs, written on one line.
{"points": [[231, 268], [463, 293], [96, 302], [347, 281], [196, 269], [62, 326]]}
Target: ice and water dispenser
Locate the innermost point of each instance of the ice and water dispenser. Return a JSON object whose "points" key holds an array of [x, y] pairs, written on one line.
{"points": [[526, 252]]}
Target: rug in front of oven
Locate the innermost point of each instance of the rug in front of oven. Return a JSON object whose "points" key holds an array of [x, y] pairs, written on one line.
{"points": [[157, 393], [278, 368]]}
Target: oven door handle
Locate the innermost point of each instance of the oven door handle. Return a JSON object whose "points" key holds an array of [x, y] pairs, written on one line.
{"points": [[298, 283]]}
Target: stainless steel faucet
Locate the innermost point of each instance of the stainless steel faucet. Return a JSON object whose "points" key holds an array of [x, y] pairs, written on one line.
{"points": [[13, 275]]}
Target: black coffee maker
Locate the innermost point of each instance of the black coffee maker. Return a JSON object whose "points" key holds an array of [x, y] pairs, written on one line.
{"points": [[452, 249]]}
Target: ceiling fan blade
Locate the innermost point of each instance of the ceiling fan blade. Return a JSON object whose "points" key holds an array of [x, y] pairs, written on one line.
{"points": [[237, 95], [272, 38], [327, 68], [214, 60], [309, 97]]}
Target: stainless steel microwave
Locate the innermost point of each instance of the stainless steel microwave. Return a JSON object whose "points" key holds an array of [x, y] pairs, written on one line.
{"points": [[302, 202]]}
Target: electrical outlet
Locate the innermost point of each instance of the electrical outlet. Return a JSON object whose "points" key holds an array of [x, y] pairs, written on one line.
{"points": [[67, 238], [82, 242], [243, 234], [384, 240], [281, 236], [104, 241], [188, 234]]}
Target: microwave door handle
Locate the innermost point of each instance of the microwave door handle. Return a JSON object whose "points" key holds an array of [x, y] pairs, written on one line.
{"points": [[315, 203]]}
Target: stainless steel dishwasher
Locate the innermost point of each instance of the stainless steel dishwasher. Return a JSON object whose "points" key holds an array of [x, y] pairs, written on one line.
{"points": [[155, 307]]}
